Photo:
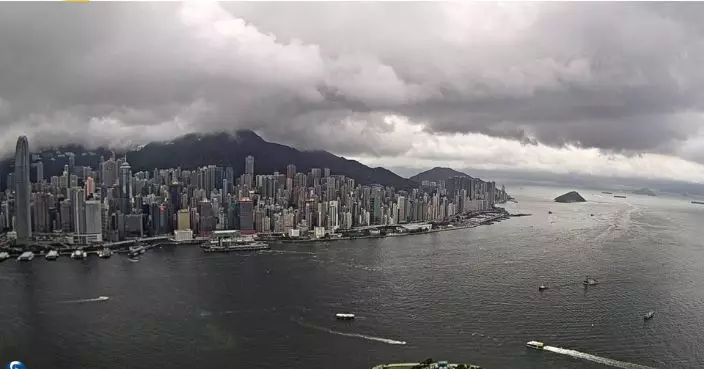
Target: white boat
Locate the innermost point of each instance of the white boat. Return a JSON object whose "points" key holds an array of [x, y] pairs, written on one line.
{"points": [[535, 345], [26, 256], [649, 315], [344, 316], [542, 287], [51, 255], [4, 256], [105, 253], [590, 281], [79, 254]]}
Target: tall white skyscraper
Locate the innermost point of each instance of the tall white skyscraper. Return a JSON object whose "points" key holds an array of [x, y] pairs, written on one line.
{"points": [[23, 225]]}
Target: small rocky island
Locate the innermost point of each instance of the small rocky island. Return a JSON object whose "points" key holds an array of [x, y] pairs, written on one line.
{"points": [[571, 196], [644, 191]]}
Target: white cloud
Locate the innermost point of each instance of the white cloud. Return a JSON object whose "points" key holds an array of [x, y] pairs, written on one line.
{"points": [[477, 151]]}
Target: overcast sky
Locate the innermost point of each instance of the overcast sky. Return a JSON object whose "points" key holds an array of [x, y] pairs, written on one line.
{"points": [[609, 89]]}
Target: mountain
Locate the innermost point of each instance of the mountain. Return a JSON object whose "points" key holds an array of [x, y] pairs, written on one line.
{"points": [[571, 196], [437, 174], [644, 191], [223, 149]]}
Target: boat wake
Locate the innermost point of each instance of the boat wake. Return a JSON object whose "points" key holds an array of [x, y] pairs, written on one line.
{"points": [[594, 358], [97, 299], [356, 335]]}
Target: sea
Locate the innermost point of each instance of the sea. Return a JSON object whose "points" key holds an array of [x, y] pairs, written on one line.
{"points": [[467, 295]]}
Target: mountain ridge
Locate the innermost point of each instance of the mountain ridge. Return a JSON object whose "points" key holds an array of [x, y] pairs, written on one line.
{"points": [[438, 174], [195, 150]]}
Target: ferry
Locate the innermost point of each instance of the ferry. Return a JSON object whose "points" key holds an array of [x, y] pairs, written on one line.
{"points": [[79, 254], [51, 255], [649, 315], [590, 281], [136, 251], [4, 256], [344, 316], [253, 246], [535, 345], [26, 256], [105, 253]]}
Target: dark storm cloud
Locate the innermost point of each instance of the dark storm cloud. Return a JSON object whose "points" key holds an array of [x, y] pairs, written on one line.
{"points": [[622, 77]]}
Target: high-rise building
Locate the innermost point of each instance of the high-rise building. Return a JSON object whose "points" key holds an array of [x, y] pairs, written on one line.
{"points": [[125, 187], [66, 216], [90, 186], [206, 223], [326, 172], [78, 209], [249, 165], [290, 170], [246, 212], [23, 225], [183, 220], [42, 203], [40, 171], [109, 173], [71, 163], [93, 219]]}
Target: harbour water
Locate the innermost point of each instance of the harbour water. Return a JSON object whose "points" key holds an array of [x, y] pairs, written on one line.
{"points": [[467, 296]]}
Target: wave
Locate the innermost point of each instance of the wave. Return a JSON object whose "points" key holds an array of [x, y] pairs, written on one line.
{"points": [[97, 299], [356, 335], [594, 358]]}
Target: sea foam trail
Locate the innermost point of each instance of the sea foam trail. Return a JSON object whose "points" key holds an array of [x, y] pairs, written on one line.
{"points": [[97, 299], [357, 335], [594, 358]]}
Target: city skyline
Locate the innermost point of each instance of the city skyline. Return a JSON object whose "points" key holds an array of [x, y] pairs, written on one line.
{"points": [[111, 203]]}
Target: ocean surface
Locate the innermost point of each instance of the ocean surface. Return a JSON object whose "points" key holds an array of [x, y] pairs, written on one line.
{"points": [[466, 296]]}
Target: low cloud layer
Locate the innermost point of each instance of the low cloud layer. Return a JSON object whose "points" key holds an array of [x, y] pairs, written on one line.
{"points": [[614, 87]]}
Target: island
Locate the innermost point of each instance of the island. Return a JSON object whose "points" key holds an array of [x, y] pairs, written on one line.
{"points": [[571, 196], [427, 364], [644, 191]]}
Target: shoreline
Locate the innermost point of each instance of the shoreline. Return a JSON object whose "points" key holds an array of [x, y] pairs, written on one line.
{"points": [[496, 218], [499, 215]]}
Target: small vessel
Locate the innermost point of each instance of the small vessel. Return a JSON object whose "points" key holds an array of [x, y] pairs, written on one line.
{"points": [[620, 196], [105, 253], [591, 215], [79, 254], [535, 345], [344, 316], [649, 315], [103, 298], [4, 256], [51, 255], [698, 202], [26, 256], [542, 287], [590, 281], [607, 192], [136, 251], [549, 212]]}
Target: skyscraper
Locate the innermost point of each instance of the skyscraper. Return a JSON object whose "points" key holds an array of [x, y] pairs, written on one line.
{"points": [[93, 219], [249, 165], [246, 212], [23, 225], [78, 204], [290, 170], [40, 171], [125, 187], [109, 172]]}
